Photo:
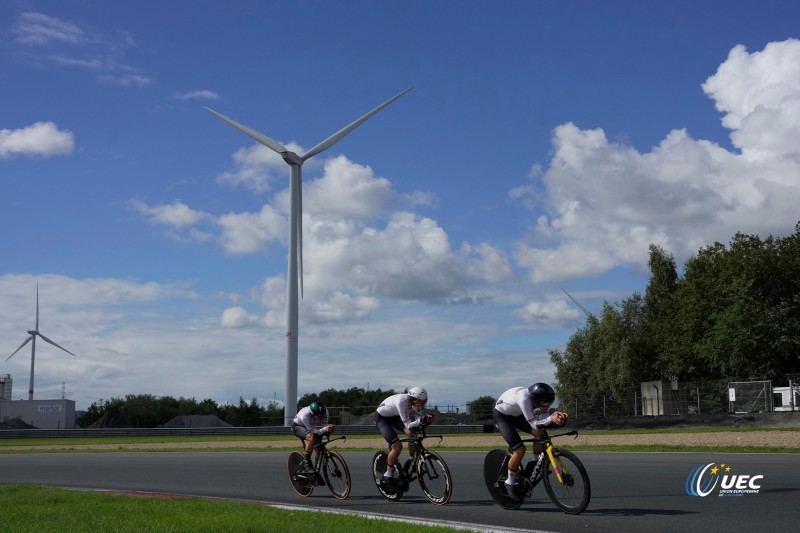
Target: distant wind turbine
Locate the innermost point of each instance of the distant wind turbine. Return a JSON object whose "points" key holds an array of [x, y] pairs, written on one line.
{"points": [[585, 311], [296, 236], [33, 334]]}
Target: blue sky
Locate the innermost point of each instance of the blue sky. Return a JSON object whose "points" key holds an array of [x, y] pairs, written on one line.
{"points": [[544, 145]]}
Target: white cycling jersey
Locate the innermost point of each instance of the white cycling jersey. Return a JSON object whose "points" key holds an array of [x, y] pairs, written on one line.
{"points": [[398, 405], [516, 401], [305, 418]]}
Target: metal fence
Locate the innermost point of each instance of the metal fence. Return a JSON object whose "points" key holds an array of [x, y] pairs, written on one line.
{"points": [[673, 399], [750, 396]]}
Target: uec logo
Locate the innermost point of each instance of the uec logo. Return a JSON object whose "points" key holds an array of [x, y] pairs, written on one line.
{"points": [[698, 483], [702, 481]]}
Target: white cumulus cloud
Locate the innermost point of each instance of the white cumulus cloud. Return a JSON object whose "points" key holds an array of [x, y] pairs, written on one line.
{"points": [[43, 139], [605, 202]]}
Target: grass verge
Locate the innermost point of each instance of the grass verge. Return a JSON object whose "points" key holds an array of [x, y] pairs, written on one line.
{"points": [[35, 509]]}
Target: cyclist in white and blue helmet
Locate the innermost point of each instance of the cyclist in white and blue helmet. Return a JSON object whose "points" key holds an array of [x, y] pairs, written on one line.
{"points": [[310, 424], [524, 409]]}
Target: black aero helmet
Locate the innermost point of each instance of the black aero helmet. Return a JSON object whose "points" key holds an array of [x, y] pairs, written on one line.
{"points": [[542, 393], [318, 409]]}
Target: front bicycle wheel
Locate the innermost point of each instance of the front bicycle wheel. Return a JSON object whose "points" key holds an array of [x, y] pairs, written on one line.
{"points": [[337, 475], [572, 493], [302, 481], [495, 471], [434, 478], [378, 468]]}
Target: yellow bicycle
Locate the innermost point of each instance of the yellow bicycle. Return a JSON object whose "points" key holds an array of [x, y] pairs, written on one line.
{"points": [[565, 478]]}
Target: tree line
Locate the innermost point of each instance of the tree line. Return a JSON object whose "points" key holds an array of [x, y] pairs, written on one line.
{"points": [[148, 411], [734, 314]]}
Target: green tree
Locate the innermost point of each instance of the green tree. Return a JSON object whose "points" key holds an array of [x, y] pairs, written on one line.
{"points": [[735, 314], [738, 309], [658, 325], [481, 408]]}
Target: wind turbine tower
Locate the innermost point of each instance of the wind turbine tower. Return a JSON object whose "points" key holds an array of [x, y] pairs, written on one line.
{"points": [[32, 337], [295, 162]]}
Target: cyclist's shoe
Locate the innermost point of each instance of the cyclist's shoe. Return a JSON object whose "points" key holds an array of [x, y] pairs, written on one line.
{"points": [[512, 491], [390, 483], [320, 481], [306, 468]]}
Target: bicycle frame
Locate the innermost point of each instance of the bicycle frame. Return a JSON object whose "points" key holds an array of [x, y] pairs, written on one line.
{"points": [[565, 478], [410, 466], [328, 467], [535, 476], [322, 446], [425, 466]]}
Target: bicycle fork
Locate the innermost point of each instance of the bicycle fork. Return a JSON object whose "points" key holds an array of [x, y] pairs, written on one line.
{"points": [[558, 466]]}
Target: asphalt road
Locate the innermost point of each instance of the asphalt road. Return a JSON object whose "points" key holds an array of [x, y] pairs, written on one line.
{"points": [[631, 492]]}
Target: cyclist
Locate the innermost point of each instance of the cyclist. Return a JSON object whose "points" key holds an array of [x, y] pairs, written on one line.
{"points": [[400, 412], [524, 409], [315, 414]]}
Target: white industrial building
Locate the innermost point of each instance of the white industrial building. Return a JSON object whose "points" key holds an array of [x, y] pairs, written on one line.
{"points": [[43, 414]]}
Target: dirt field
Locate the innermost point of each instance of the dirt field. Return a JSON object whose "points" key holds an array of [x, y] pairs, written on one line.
{"points": [[780, 439]]}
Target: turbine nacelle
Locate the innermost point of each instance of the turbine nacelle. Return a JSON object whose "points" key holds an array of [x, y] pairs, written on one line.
{"points": [[291, 158]]}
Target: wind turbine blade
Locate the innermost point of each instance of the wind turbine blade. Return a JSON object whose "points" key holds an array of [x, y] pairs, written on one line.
{"points": [[270, 143], [37, 308], [336, 137], [56, 345], [585, 311], [300, 232], [20, 347]]}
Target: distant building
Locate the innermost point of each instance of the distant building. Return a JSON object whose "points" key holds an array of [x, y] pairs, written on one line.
{"points": [[6, 384], [43, 414]]}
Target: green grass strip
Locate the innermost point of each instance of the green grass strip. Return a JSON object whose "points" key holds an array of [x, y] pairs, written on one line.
{"points": [[34, 509]]}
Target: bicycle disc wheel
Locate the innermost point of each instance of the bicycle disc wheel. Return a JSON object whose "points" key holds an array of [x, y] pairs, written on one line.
{"points": [[378, 468], [301, 481], [337, 475], [572, 493], [495, 472], [434, 478]]}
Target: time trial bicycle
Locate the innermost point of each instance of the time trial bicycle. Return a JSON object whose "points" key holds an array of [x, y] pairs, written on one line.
{"points": [[565, 478], [424, 465], [330, 469]]}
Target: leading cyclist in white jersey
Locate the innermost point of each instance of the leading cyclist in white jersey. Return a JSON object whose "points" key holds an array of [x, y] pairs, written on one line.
{"points": [[401, 412], [524, 409]]}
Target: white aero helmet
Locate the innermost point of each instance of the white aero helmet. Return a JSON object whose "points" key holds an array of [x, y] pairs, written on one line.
{"points": [[418, 394]]}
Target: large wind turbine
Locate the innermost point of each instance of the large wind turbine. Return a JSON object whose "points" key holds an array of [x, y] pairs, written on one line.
{"points": [[296, 237], [32, 337]]}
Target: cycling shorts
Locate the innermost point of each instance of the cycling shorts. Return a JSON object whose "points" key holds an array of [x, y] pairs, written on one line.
{"points": [[508, 426], [387, 426]]}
